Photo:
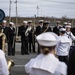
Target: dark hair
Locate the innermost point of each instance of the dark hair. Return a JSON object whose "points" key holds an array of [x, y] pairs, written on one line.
{"points": [[46, 49], [71, 62]]}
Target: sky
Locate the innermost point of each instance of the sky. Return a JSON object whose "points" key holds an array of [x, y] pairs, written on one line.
{"points": [[46, 8]]}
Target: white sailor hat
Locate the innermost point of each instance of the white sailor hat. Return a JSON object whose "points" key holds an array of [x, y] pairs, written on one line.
{"points": [[11, 23], [69, 23], [47, 22], [68, 26], [65, 23], [62, 29], [47, 39], [41, 21], [30, 21], [25, 22], [4, 21], [58, 21]]}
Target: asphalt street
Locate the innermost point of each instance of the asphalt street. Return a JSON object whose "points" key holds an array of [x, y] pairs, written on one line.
{"points": [[20, 61]]}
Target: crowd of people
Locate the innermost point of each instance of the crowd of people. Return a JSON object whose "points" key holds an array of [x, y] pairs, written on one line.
{"points": [[28, 33], [55, 47]]}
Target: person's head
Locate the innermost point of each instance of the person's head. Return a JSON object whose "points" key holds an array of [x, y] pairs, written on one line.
{"points": [[41, 22], [4, 22], [68, 28], [47, 42], [30, 23], [11, 24], [58, 23], [46, 23], [25, 23], [62, 31]]}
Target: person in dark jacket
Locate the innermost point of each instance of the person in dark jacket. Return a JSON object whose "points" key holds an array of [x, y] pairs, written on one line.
{"points": [[5, 28], [48, 28], [57, 27], [23, 32], [31, 37], [11, 39], [40, 29]]}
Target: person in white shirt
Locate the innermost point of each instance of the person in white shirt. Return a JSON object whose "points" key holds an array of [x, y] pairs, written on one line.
{"points": [[46, 63], [69, 34], [3, 64], [63, 46]]}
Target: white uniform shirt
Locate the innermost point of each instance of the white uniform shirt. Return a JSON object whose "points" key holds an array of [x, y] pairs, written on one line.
{"points": [[46, 65], [70, 36], [63, 46], [3, 64]]}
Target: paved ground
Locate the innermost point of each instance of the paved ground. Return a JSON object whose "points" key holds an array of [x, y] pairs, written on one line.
{"points": [[20, 61]]}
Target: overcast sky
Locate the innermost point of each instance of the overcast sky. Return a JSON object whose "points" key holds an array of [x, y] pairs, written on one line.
{"points": [[28, 8]]}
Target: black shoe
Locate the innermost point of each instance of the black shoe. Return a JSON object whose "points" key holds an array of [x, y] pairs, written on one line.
{"points": [[34, 52], [13, 54], [9, 54], [27, 53]]}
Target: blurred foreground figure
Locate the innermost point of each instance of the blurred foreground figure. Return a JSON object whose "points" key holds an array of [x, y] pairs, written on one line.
{"points": [[3, 64], [46, 63], [71, 62]]}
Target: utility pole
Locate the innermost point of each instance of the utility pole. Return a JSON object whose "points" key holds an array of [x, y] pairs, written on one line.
{"points": [[16, 13], [41, 10], [37, 10], [16, 19], [10, 10]]}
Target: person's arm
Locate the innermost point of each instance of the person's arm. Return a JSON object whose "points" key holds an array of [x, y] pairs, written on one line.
{"points": [[72, 36], [3, 63], [58, 43]]}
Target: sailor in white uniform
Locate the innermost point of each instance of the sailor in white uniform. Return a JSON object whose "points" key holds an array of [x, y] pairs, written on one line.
{"points": [[63, 46], [69, 34], [3, 64], [46, 63]]}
